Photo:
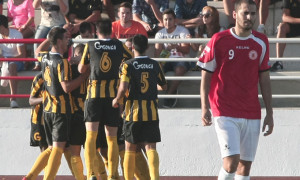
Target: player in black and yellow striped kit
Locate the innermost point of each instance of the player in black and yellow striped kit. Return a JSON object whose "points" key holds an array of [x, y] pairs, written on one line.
{"points": [[57, 99], [103, 57], [143, 77]]}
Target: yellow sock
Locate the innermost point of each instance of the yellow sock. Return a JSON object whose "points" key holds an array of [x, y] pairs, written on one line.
{"points": [[121, 154], [77, 167], [67, 154], [129, 165], [99, 164], [153, 162], [113, 156], [53, 163], [141, 171], [39, 164], [90, 151]]}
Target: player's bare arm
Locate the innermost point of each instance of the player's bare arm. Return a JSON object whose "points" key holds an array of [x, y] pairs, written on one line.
{"points": [[162, 88], [121, 93], [69, 86], [204, 91], [34, 100], [265, 86]]}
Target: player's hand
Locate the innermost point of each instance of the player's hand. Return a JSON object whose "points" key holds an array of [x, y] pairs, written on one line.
{"points": [[115, 103], [270, 123], [206, 117]]}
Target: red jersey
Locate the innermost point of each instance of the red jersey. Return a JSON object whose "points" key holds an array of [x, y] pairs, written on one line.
{"points": [[119, 31], [235, 62]]}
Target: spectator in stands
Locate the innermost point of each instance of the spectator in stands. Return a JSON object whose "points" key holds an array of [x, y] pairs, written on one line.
{"points": [[52, 14], [1, 6], [82, 11], [21, 13], [263, 11], [289, 27], [11, 50], [175, 50], [126, 27], [149, 14], [211, 25], [188, 13], [110, 10]]}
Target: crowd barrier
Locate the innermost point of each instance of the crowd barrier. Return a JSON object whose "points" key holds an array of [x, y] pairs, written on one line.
{"points": [[153, 41]]}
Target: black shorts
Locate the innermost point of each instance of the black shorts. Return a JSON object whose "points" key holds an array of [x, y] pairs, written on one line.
{"points": [[77, 130], [144, 131], [57, 127], [294, 30], [101, 138], [37, 135], [101, 110]]}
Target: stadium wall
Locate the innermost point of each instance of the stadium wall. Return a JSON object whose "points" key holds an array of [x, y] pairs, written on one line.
{"points": [[187, 148]]}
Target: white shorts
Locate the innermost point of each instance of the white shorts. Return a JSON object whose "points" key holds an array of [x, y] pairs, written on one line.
{"points": [[237, 136]]}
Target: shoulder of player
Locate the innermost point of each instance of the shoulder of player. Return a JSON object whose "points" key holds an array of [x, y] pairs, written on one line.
{"points": [[259, 35]]}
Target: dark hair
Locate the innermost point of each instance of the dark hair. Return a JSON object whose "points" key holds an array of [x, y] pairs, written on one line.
{"points": [[140, 43], [3, 21], [104, 26], [129, 39], [126, 5], [55, 34], [79, 48], [169, 11], [238, 3], [84, 27]]}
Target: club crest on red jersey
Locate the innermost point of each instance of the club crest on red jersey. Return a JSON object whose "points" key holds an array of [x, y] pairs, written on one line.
{"points": [[253, 54]]}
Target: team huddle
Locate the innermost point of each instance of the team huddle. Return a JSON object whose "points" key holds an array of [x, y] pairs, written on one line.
{"points": [[107, 102]]}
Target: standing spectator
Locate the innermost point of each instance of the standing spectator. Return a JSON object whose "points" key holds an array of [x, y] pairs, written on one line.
{"points": [[188, 13], [126, 27], [211, 25], [11, 50], [141, 125], [52, 14], [103, 57], [149, 14], [175, 50], [289, 27], [82, 11], [1, 6], [233, 63], [21, 13]]}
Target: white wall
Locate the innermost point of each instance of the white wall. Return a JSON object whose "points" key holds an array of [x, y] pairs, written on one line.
{"points": [[187, 148]]}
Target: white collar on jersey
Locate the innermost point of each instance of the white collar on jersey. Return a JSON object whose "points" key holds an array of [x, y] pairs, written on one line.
{"points": [[55, 53], [141, 57], [238, 37]]}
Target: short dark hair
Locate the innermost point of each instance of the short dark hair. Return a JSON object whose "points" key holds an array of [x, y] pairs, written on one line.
{"points": [[169, 11], [104, 26], [140, 43], [126, 5], [3, 21], [55, 34], [238, 3], [84, 27]]}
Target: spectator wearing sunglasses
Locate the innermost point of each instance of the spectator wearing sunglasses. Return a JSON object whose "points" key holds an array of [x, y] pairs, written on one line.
{"points": [[210, 26]]}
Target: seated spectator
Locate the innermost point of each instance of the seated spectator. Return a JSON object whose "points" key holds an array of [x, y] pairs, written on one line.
{"points": [[149, 14], [52, 14], [211, 25], [86, 32], [21, 13], [11, 50], [82, 11], [188, 13], [126, 27], [289, 27], [175, 50]]}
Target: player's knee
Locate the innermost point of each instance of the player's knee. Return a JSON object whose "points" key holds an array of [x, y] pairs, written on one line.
{"points": [[244, 168]]}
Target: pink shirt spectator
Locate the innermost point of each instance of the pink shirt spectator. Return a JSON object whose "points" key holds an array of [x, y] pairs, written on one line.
{"points": [[20, 13]]}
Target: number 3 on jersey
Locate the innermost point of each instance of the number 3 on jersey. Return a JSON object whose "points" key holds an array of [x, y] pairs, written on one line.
{"points": [[144, 81], [231, 54], [105, 62]]}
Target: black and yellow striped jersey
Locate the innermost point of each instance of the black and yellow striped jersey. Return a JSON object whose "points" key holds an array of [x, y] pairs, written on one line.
{"points": [[143, 74], [78, 94], [105, 58], [55, 69], [37, 89]]}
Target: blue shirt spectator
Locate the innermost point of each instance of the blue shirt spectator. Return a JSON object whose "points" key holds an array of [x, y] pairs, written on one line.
{"points": [[149, 13]]}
